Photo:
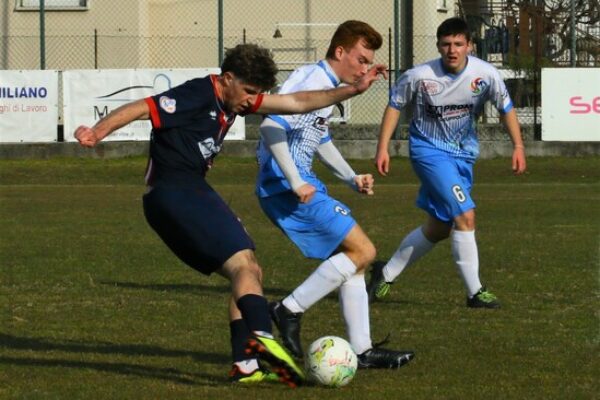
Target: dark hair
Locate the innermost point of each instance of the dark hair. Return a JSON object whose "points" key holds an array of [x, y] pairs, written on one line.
{"points": [[350, 32], [251, 64], [452, 27]]}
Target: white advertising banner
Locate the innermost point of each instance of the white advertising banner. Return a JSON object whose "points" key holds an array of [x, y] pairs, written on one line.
{"points": [[28, 106], [571, 104], [91, 94]]}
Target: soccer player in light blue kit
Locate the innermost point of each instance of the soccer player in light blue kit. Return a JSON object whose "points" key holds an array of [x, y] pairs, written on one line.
{"points": [[297, 201], [447, 95]]}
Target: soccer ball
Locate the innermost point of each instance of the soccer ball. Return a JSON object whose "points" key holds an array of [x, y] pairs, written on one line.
{"points": [[330, 361]]}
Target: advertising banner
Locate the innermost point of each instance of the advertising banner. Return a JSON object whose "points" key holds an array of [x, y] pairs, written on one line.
{"points": [[28, 106], [91, 94], [571, 104]]}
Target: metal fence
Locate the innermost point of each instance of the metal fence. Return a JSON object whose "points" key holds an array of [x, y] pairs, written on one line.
{"points": [[518, 36], [521, 37]]}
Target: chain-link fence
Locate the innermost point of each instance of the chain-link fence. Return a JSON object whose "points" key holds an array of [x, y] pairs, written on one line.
{"points": [[518, 36], [521, 37], [299, 32]]}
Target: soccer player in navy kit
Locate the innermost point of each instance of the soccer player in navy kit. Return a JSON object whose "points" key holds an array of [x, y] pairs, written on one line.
{"points": [[189, 123], [447, 95]]}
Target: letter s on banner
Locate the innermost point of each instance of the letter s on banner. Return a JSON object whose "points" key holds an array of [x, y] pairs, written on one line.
{"points": [[583, 107]]}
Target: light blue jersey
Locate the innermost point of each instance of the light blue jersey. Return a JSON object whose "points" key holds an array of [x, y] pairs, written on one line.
{"points": [[305, 132], [318, 227], [446, 106]]}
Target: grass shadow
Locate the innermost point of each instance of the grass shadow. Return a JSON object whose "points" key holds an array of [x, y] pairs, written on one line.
{"points": [[189, 288], [45, 345], [165, 374]]}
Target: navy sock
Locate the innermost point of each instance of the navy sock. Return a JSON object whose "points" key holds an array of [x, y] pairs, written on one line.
{"points": [[255, 312], [239, 336]]}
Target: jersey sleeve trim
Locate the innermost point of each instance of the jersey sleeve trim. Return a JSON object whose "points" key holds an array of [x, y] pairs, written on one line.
{"points": [[325, 139], [281, 121], [256, 106], [508, 107], [154, 115], [395, 106]]}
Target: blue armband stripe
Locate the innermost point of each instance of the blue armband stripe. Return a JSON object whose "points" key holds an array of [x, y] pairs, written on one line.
{"points": [[281, 121]]}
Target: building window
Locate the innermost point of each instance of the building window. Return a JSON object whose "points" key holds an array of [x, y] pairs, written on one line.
{"points": [[53, 5], [442, 5]]}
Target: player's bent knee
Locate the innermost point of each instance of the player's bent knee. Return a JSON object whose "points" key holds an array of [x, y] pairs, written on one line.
{"points": [[370, 253], [366, 256], [243, 262], [254, 269], [466, 221]]}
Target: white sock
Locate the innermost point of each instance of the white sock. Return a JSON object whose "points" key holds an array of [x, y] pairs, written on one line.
{"points": [[464, 250], [414, 246], [247, 366], [354, 303], [325, 279]]}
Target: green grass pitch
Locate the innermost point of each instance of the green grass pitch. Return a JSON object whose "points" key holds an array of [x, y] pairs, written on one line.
{"points": [[94, 306]]}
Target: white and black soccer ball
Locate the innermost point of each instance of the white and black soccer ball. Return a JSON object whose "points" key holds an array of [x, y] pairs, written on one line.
{"points": [[330, 361]]}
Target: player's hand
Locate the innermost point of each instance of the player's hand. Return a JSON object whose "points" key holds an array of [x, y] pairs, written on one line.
{"points": [[364, 184], [305, 192], [519, 165], [372, 75], [86, 136], [382, 162]]}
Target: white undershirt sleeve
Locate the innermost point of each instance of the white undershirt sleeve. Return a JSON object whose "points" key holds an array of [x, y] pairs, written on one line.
{"points": [[275, 139], [331, 157]]}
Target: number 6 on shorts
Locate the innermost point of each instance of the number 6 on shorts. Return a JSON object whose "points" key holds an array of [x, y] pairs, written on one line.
{"points": [[458, 193]]}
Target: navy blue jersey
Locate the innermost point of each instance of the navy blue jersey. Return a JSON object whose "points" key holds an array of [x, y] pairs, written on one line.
{"points": [[189, 123]]}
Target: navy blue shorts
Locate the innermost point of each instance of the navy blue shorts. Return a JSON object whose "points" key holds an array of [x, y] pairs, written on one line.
{"points": [[196, 224]]}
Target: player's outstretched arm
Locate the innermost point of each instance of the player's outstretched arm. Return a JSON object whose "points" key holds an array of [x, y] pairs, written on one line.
{"points": [[305, 101], [386, 130], [333, 160], [275, 139], [511, 122], [89, 137], [331, 157]]}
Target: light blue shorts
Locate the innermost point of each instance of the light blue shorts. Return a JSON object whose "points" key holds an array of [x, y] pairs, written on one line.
{"points": [[317, 228], [446, 185]]}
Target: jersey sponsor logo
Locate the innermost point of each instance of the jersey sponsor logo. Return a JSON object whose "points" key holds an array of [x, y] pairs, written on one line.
{"points": [[321, 123], [167, 104], [213, 115], [449, 111], [209, 148], [478, 86], [431, 87]]}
